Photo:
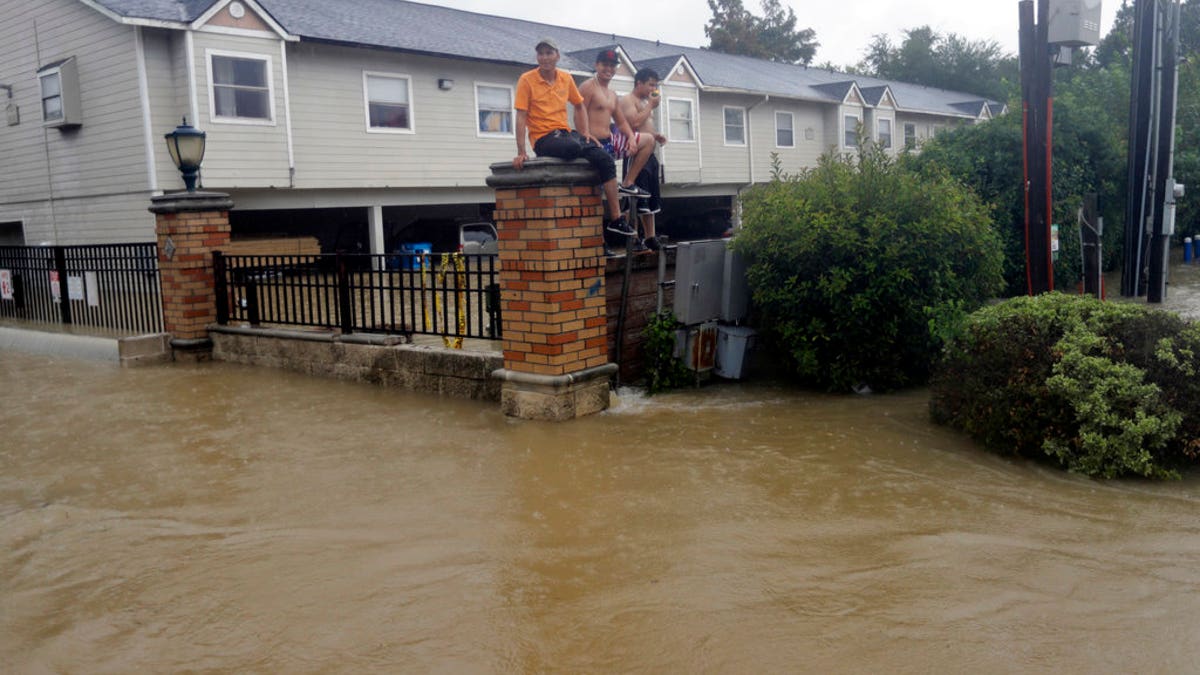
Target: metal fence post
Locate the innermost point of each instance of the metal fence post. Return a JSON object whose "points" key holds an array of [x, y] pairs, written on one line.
{"points": [[220, 288], [345, 310], [64, 297]]}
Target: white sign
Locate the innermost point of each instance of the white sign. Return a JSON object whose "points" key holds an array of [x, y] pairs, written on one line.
{"points": [[6, 285], [93, 289], [75, 288]]}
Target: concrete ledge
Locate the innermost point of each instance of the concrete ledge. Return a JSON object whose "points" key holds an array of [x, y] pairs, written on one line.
{"points": [[376, 359], [141, 350], [60, 344]]}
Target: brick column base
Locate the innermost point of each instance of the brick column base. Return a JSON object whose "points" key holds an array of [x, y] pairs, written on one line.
{"points": [[549, 216], [189, 226]]}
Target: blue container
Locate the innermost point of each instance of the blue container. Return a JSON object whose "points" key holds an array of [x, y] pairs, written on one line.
{"points": [[410, 254], [1187, 249]]}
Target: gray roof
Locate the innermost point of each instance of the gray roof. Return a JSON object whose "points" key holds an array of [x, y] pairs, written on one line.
{"points": [[441, 31]]}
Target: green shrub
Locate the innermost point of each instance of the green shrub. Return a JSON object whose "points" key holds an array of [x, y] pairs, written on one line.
{"points": [[1104, 389], [860, 267], [663, 369]]}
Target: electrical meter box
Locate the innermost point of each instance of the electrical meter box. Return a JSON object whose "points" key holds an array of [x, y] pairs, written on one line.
{"points": [[699, 276], [1074, 23]]}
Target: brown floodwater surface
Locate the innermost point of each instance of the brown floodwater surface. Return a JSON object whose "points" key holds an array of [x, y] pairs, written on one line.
{"points": [[218, 518]]}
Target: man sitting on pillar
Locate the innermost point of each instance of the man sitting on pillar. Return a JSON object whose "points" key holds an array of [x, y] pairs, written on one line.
{"points": [[541, 103]]}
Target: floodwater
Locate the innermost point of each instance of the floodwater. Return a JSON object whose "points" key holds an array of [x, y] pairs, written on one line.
{"points": [[224, 519]]}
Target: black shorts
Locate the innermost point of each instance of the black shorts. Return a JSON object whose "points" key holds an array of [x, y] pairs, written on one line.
{"points": [[648, 181]]}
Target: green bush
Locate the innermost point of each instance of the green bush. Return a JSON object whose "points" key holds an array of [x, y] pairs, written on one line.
{"points": [[663, 369], [860, 267], [1104, 389]]}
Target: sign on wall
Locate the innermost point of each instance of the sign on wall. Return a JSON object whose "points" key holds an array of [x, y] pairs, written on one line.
{"points": [[6, 285]]}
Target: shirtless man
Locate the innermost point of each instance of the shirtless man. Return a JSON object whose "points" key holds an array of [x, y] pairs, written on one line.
{"points": [[541, 103], [638, 109], [606, 122]]}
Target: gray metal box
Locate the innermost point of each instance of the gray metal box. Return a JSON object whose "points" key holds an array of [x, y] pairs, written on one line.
{"points": [[735, 291], [699, 272], [1074, 23]]}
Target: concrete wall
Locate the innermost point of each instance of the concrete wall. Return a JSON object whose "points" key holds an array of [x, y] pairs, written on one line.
{"points": [[362, 358]]}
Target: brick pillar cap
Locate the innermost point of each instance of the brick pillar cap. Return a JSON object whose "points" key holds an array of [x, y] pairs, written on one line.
{"points": [[542, 171], [176, 202]]}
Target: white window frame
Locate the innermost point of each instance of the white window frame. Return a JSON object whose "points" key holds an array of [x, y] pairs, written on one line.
{"points": [[891, 135], [910, 141], [791, 128], [412, 108], [269, 64], [846, 129], [725, 126], [512, 97], [691, 120], [56, 75]]}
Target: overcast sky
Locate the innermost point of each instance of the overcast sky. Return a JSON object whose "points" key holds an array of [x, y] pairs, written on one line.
{"points": [[844, 27]]}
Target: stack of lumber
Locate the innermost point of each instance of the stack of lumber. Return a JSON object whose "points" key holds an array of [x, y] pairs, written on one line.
{"points": [[273, 246]]}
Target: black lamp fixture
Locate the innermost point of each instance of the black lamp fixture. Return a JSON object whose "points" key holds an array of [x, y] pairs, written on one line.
{"points": [[186, 145]]}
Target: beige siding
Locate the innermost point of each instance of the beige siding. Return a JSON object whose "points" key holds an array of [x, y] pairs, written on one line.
{"points": [[334, 149], [808, 132], [682, 161], [167, 84], [723, 163], [241, 155], [47, 170]]}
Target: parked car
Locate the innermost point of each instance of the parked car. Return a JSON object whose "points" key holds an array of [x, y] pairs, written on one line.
{"points": [[478, 238]]}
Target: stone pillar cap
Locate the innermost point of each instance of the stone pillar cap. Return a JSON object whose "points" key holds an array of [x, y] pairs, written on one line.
{"points": [[541, 171], [176, 202]]}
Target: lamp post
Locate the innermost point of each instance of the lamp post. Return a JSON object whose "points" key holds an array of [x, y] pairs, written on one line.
{"points": [[186, 145]]}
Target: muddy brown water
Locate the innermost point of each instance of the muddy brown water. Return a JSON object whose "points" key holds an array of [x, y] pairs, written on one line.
{"points": [[219, 518]]}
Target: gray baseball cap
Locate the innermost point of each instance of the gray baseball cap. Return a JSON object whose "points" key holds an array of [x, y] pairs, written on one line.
{"points": [[549, 42]]}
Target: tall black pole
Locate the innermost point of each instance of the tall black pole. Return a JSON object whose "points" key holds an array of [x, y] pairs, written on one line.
{"points": [[1141, 113], [1037, 114], [1163, 224]]}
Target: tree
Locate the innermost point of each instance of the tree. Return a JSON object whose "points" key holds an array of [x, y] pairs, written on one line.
{"points": [[734, 30], [944, 61]]}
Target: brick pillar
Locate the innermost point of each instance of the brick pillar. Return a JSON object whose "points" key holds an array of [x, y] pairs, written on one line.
{"points": [[549, 216], [190, 226]]}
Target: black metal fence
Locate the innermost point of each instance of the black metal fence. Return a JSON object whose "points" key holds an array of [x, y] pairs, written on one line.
{"points": [[453, 295], [109, 286]]}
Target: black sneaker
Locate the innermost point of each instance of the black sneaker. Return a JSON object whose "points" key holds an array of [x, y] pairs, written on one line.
{"points": [[619, 226], [633, 191], [608, 252], [639, 247], [652, 243]]}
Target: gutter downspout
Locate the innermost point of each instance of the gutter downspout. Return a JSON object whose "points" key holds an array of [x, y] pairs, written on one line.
{"points": [[147, 118], [287, 115]]}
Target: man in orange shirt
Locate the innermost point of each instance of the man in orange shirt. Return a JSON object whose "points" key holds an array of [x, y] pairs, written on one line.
{"points": [[541, 103]]}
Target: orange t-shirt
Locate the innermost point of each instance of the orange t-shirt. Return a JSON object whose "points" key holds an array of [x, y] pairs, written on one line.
{"points": [[546, 102]]}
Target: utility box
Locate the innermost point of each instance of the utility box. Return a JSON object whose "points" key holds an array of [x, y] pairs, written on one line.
{"points": [[733, 343], [735, 291], [697, 346], [1074, 23], [699, 272]]}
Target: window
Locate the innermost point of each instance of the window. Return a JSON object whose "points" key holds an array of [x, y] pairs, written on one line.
{"points": [[885, 134], [850, 139], [494, 105], [784, 136], [735, 126], [681, 126], [910, 136], [52, 97], [241, 88], [389, 106], [59, 84]]}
